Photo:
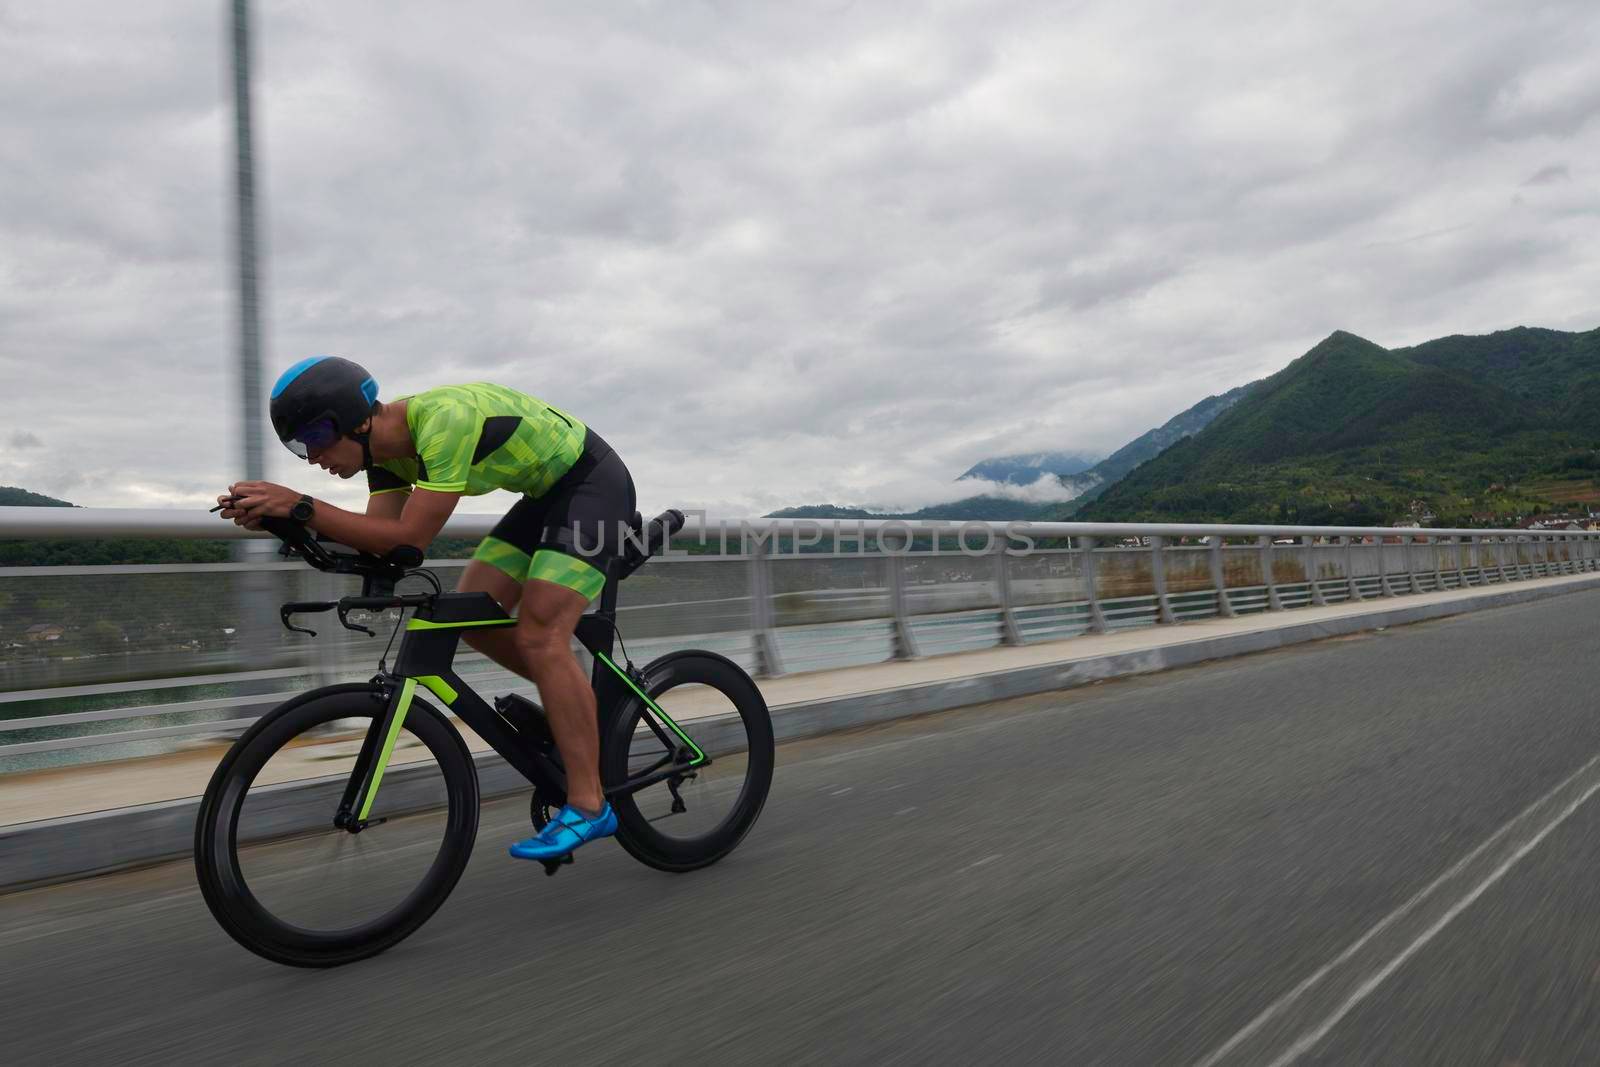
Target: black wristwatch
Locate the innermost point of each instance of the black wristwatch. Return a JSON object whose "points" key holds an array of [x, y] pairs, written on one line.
{"points": [[302, 509]]}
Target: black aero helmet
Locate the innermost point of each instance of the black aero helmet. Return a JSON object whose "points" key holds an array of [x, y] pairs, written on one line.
{"points": [[319, 400]]}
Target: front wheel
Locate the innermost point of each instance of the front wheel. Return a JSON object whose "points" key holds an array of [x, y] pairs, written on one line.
{"points": [[688, 772], [287, 883]]}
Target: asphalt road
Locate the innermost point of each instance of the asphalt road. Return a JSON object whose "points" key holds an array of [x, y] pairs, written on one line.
{"points": [[1378, 849]]}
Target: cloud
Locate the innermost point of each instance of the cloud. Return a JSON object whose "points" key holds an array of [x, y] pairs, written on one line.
{"points": [[1556, 172], [775, 254], [20, 440]]}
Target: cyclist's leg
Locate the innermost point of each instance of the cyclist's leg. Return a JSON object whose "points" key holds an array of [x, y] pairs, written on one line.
{"points": [[499, 567], [583, 533], [540, 646], [544, 629], [498, 643]]}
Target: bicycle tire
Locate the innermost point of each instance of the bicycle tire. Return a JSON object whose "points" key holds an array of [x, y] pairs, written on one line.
{"points": [[227, 891], [635, 832]]}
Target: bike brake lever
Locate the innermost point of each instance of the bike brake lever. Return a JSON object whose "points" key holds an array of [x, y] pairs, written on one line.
{"points": [[344, 620], [284, 613]]}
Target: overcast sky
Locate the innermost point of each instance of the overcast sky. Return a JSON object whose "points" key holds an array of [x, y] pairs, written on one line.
{"points": [[776, 253]]}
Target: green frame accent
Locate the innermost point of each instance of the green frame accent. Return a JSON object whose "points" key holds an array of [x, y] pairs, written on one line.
{"points": [[699, 756], [438, 687], [424, 624], [407, 691]]}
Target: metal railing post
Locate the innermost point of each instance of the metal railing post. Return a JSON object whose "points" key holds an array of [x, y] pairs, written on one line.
{"points": [[1438, 564], [1158, 573], [768, 664], [1350, 566], [1273, 601], [1407, 542], [1500, 558], [1219, 580], [1310, 542], [905, 645], [1384, 588], [1010, 634], [1097, 618]]}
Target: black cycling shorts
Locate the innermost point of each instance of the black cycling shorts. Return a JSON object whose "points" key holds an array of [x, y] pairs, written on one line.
{"points": [[571, 533]]}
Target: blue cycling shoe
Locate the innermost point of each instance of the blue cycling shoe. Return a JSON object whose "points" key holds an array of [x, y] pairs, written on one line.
{"points": [[565, 831]]}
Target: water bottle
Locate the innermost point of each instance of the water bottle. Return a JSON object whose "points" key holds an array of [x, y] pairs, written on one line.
{"points": [[525, 717]]}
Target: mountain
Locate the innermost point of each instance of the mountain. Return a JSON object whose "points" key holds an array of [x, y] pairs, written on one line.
{"points": [[1026, 468], [1146, 446], [1088, 480], [40, 553], [1085, 483], [1557, 372], [996, 508], [1352, 432], [12, 497]]}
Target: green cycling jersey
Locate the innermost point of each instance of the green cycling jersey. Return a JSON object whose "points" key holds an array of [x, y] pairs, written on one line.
{"points": [[476, 438]]}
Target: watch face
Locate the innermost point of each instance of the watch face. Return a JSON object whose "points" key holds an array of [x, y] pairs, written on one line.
{"points": [[301, 511]]}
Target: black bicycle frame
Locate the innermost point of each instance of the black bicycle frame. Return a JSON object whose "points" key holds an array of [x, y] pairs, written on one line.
{"points": [[424, 659]]}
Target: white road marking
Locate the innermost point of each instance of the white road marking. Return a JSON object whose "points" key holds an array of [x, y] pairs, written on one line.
{"points": [[1316, 1033]]}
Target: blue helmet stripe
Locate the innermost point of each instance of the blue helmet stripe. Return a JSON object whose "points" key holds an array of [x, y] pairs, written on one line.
{"points": [[287, 377], [369, 389]]}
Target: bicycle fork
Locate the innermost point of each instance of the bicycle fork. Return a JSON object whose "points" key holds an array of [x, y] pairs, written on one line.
{"points": [[376, 749]]}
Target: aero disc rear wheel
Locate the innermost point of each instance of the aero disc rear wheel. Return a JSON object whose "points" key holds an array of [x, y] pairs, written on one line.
{"points": [[696, 810], [286, 883]]}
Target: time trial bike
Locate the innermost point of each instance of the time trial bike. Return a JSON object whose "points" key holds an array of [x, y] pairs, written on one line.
{"points": [[305, 860]]}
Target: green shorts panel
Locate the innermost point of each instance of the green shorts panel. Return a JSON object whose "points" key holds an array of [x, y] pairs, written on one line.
{"points": [[570, 571], [505, 557]]}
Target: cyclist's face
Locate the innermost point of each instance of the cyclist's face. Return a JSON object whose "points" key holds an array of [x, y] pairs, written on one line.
{"points": [[343, 457]]}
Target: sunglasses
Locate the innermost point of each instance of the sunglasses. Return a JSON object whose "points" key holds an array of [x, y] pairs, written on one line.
{"points": [[313, 436]]}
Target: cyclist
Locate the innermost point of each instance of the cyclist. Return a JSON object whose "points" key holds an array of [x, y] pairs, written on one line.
{"points": [[545, 559]]}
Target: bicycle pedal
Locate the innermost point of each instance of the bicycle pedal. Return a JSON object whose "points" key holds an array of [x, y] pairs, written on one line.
{"points": [[552, 866]]}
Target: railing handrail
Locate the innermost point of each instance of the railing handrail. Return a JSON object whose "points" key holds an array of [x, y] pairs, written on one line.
{"points": [[92, 523], [1477, 556]]}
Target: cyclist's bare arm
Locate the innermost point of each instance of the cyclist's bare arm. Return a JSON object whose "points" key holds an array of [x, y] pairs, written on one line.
{"points": [[387, 505], [420, 517]]}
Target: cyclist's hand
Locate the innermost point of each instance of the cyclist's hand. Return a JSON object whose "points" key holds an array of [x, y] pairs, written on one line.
{"points": [[254, 501]]}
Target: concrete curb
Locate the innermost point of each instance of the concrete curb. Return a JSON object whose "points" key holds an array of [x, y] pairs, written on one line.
{"points": [[80, 846]]}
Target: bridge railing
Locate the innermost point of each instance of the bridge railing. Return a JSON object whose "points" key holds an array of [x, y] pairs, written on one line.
{"points": [[106, 662]]}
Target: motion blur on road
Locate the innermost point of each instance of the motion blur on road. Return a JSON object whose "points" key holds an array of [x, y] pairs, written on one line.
{"points": [[1371, 849]]}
